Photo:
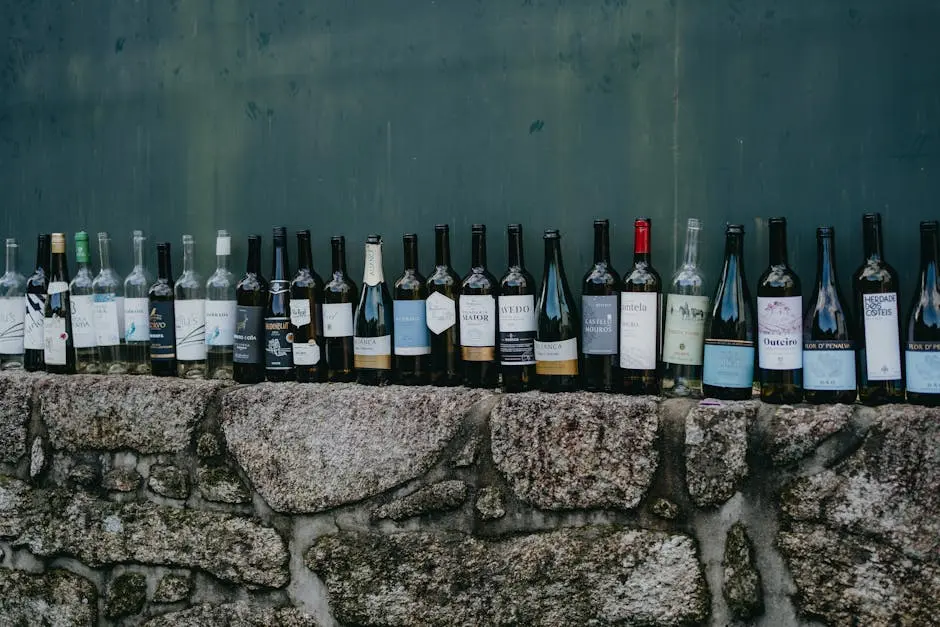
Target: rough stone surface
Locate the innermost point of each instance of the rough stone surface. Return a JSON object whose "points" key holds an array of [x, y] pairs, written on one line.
{"points": [[577, 450], [490, 504], [443, 496], [665, 509], [57, 598], [232, 548], [121, 480], [716, 449], [37, 458], [221, 484], [467, 456], [169, 481], [566, 577], [15, 394], [307, 448], [85, 475], [239, 614], [208, 446], [794, 432], [126, 595], [173, 588], [17, 507], [742, 582], [145, 414]]}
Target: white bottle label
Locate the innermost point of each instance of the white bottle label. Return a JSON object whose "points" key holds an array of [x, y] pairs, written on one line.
{"points": [[220, 322], [372, 274], [107, 325], [374, 353], [300, 312], [337, 320], [639, 316], [120, 314], [83, 326], [35, 311], [137, 320], [190, 318], [517, 314], [684, 335], [12, 315], [477, 320], [882, 343], [307, 354], [556, 358], [780, 332], [54, 341], [441, 312]]}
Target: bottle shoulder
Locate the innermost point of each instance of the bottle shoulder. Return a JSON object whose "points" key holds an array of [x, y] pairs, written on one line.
{"points": [[516, 280], [221, 278], [478, 280], [410, 281], [162, 290], [641, 276]]}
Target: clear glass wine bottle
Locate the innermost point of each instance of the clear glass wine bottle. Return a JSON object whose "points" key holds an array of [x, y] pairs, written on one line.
{"points": [[81, 292], [189, 311], [220, 311], [109, 312], [12, 312], [684, 333], [136, 312]]}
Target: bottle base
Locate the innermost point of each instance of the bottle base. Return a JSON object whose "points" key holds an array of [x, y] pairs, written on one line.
{"points": [[374, 377]]}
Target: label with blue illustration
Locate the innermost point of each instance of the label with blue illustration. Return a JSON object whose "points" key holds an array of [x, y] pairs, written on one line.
{"points": [[729, 363], [410, 331], [829, 365], [923, 367]]}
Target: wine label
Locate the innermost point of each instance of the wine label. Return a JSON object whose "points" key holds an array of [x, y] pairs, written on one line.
{"points": [[829, 365], [162, 330], [306, 353], [441, 312], [923, 367], [374, 353], [882, 342], [478, 327], [599, 323], [33, 338], [83, 315], [277, 343], [190, 317], [300, 312], [337, 319], [55, 341], [249, 330], [410, 330], [729, 363], [12, 316], [557, 358], [107, 323], [684, 334], [57, 287], [517, 330], [372, 274], [220, 322], [120, 314], [780, 332], [136, 320], [639, 317]]}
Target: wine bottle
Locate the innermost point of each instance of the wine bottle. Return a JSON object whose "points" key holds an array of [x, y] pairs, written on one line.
{"points": [[640, 318], [251, 295], [189, 313], [478, 326], [36, 287], [518, 324], [728, 370], [137, 311], [109, 311], [441, 312], [81, 296], [162, 317], [374, 321], [412, 342], [828, 331], [12, 312], [600, 317], [684, 333], [220, 312], [58, 346], [923, 325], [875, 283], [556, 346], [338, 327], [306, 315], [780, 324], [278, 358]]}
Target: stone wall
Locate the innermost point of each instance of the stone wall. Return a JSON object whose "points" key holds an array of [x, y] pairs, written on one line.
{"points": [[135, 500]]}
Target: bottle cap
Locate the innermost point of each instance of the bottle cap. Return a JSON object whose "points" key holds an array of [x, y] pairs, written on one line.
{"points": [[374, 239], [871, 218], [58, 242], [81, 247], [601, 222], [338, 239], [694, 224], [441, 228], [409, 237], [825, 231], [478, 228], [777, 221], [926, 225], [551, 234], [223, 243], [11, 242], [735, 228], [280, 232]]}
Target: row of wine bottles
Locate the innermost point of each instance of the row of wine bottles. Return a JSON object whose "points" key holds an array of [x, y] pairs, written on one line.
{"points": [[481, 332]]}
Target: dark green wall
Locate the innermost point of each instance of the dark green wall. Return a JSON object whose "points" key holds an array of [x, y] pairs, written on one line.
{"points": [[354, 117]]}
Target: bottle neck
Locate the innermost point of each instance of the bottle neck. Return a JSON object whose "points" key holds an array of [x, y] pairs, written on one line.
{"points": [[553, 262], [11, 258], [42, 255], [304, 254], [164, 266], [516, 252], [339, 258], [60, 267], [478, 250], [104, 253], [690, 256], [928, 259], [825, 262], [138, 253], [641, 245], [441, 248], [188, 258], [279, 261], [734, 249], [372, 273], [222, 261], [411, 255], [601, 244], [778, 244], [872, 241]]}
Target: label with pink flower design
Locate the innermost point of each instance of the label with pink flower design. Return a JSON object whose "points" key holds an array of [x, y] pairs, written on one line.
{"points": [[780, 332]]}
